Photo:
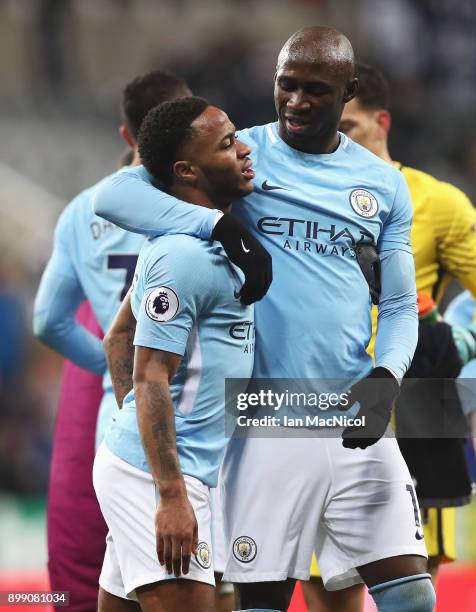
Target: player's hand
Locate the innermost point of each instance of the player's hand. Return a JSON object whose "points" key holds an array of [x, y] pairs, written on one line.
{"points": [[176, 533], [247, 253], [376, 395]]}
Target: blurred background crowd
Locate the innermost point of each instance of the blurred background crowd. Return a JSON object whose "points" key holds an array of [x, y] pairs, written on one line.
{"points": [[63, 66]]}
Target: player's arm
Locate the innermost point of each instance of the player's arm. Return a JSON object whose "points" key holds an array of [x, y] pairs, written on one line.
{"points": [[397, 324], [119, 347], [129, 199], [161, 338], [397, 328], [57, 300], [395, 344], [176, 525]]}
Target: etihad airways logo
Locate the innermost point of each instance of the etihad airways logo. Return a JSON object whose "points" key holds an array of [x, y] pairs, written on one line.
{"points": [[244, 331], [312, 230]]}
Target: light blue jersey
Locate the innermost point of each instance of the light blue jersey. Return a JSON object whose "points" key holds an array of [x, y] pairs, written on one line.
{"points": [[95, 260], [184, 299], [309, 211]]}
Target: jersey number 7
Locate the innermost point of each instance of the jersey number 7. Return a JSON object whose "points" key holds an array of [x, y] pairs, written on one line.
{"points": [[123, 262]]}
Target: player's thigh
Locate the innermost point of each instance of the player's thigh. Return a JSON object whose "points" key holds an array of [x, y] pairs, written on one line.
{"points": [[318, 599], [107, 602], [373, 502], [373, 514], [128, 499], [176, 596], [273, 496], [392, 568], [265, 595]]}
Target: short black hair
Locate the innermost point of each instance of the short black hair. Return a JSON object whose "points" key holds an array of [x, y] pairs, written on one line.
{"points": [[164, 131], [145, 92], [373, 92]]}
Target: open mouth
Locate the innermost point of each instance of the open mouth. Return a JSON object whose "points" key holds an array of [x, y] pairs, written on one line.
{"points": [[248, 171], [296, 125]]}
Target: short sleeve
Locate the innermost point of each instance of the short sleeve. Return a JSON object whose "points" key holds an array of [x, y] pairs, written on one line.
{"points": [[177, 289], [397, 226]]}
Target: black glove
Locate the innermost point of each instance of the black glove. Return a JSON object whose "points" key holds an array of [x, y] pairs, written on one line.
{"points": [[247, 253], [436, 354], [376, 395], [369, 262]]}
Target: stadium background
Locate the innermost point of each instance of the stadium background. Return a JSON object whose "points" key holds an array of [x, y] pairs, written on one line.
{"points": [[63, 65]]}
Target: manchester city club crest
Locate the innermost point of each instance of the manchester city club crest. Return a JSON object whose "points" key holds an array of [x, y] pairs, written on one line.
{"points": [[203, 556], [364, 203], [244, 549], [162, 304]]}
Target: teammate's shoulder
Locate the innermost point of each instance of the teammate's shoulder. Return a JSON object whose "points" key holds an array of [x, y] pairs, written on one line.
{"points": [[436, 190], [258, 134], [420, 179], [183, 259], [82, 204], [75, 207], [453, 194], [372, 164], [178, 249], [79, 200]]}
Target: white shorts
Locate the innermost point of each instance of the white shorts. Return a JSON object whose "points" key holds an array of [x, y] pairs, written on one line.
{"points": [[218, 535], [128, 500], [285, 498]]}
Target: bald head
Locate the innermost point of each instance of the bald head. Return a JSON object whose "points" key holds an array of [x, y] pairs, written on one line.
{"points": [[322, 46], [314, 79]]}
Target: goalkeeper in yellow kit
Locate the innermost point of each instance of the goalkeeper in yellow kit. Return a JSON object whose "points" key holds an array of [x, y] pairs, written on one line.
{"points": [[444, 246]]}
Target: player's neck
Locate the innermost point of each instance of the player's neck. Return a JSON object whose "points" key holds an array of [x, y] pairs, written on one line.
{"points": [[195, 196], [381, 150], [136, 160], [324, 144]]}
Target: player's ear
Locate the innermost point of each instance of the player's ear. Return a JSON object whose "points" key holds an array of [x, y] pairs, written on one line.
{"points": [[185, 172], [127, 136], [351, 90], [384, 120]]}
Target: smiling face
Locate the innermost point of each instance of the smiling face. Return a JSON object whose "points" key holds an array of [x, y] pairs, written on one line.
{"points": [[220, 162], [314, 79], [309, 103]]}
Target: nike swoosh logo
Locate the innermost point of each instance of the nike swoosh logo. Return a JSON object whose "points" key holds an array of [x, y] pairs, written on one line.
{"points": [[236, 294], [244, 248], [267, 187]]}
